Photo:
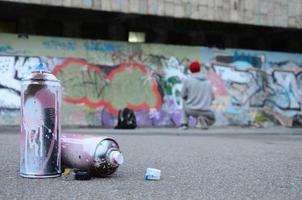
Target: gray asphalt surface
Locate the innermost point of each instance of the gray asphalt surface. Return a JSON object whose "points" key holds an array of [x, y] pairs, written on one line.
{"points": [[214, 164]]}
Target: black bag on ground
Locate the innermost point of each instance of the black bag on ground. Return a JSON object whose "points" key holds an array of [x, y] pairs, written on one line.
{"points": [[297, 120], [126, 119]]}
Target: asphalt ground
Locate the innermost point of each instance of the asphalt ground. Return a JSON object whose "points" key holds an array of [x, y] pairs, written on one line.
{"points": [[219, 163]]}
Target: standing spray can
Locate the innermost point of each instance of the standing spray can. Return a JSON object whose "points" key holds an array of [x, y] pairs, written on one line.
{"points": [[99, 155], [40, 147]]}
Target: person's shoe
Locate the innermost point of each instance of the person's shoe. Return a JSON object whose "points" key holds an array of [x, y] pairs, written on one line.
{"points": [[203, 124], [183, 127]]}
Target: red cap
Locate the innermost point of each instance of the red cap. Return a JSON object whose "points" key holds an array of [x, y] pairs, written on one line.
{"points": [[194, 66]]}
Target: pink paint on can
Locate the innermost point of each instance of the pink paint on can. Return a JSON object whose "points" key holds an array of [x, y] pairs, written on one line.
{"points": [[40, 149], [98, 154]]}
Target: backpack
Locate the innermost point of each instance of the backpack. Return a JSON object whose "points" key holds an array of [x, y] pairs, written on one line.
{"points": [[126, 119], [297, 120]]}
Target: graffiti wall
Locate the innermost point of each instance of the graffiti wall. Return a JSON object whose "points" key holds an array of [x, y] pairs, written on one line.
{"points": [[101, 77], [252, 86]]}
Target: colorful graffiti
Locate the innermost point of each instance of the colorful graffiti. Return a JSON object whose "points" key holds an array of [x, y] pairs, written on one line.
{"points": [[128, 85], [100, 77], [12, 70], [271, 87]]}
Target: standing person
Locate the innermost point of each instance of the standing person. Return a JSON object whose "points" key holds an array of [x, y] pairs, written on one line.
{"points": [[197, 96]]}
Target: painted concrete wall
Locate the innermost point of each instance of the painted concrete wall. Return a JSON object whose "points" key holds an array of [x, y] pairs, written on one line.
{"points": [[100, 77], [279, 13]]}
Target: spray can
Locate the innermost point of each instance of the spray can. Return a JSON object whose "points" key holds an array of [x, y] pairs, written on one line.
{"points": [[40, 149], [99, 155]]}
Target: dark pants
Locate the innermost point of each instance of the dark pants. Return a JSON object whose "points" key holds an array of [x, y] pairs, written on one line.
{"points": [[186, 112]]}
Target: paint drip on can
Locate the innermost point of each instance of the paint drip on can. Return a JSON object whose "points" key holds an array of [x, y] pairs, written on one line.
{"points": [[100, 155], [40, 148]]}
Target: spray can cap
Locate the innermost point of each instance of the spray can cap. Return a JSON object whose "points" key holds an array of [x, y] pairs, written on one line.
{"points": [[41, 73], [41, 67], [116, 157]]}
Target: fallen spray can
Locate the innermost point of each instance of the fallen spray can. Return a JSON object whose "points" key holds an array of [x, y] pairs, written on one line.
{"points": [[100, 155], [40, 149]]}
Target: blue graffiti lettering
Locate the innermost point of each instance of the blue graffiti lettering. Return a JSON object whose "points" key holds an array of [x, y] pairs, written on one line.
{"points": [[100, 46], [7, 49], [255, 61], [63, 45]]}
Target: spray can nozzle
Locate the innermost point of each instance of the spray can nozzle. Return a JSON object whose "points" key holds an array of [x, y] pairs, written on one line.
{"points": [[116, 157]]}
